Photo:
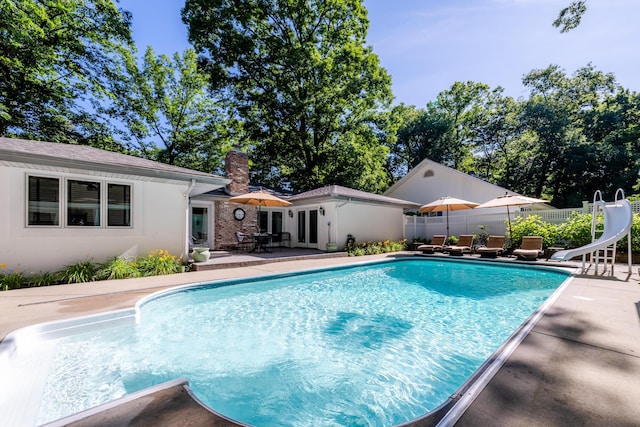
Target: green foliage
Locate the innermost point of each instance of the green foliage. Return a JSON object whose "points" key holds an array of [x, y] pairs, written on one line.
{"points": [[481, 237], [310, 92], [452, 241], [118, 268], [576, 231], [168, 114], [375, 248], [54, 55], [533, 225], [44, 279], [80, 272], [159, 262], [570, 17], [635, 236], [12, 280]]}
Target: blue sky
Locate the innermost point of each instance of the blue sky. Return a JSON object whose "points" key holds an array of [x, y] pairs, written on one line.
{"points": [[427, 45]]}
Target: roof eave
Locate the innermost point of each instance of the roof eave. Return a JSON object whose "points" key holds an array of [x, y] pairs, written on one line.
{"points": [[17, 157]]}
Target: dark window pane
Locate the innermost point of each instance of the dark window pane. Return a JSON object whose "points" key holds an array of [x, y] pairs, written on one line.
{"points": [[276, 222], [83, 203], [302, 226], [44, 201], [313, 226], [119, 206]]}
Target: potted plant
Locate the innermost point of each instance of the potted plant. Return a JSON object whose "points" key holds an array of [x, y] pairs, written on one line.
{"points": [[331, 246]]}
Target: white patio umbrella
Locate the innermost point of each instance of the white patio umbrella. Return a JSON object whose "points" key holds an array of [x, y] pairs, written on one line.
{"points": [[447, 204], [510, 200]]}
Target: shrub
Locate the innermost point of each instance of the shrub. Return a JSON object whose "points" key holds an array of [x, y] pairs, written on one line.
{"points": [[635, 236], [374, 248], [44, 279], [159, 262], [79, 272], [576, 231], [533, 225], [13, 280], [118, 268]]}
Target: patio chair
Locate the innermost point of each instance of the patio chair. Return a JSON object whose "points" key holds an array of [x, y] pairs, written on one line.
{"points": [[462, 247], [495, 247], [437, 242], [530, 249], [245, 241]]}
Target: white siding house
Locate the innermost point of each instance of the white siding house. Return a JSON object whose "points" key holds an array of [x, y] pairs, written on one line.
{"points": [[332, 213], [429, 181], [62, 203]]}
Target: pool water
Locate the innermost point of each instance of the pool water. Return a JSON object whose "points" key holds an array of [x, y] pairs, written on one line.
{"points": [[374, 345]]}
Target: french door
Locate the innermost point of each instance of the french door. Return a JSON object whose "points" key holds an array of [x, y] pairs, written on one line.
{"points": [[307, 228]]}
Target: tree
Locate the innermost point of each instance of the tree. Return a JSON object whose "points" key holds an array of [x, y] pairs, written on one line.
{"points": [[462, 106], [311, 95], [421, 134], [566, 167], [571, 16], [55, 55], [167, 113]]}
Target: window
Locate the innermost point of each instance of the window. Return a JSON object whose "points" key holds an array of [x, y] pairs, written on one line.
{"points": [[119, 205], [83, 203], [44, 201]]}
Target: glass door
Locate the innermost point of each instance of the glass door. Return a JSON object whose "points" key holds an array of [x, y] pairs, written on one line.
{"points": [[307, 228], [200, 226]]}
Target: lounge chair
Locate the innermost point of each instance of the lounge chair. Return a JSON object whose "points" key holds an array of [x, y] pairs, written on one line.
{"points": [[463, 246], [495, 247], [530, 249], [437, 242]]}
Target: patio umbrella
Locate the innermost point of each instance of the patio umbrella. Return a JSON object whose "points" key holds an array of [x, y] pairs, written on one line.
{"points": [[510, 200], [447, 204], [259, 198]]}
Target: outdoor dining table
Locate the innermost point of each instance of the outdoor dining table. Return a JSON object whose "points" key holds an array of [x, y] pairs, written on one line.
{"points": [[261, 241]]}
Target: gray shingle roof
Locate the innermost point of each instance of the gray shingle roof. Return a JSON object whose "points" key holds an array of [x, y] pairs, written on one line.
{"points": [[339, 192], [89, 158]]}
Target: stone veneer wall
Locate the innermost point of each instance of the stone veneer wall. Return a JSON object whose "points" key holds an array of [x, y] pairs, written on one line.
{"points": [[236, 167]]}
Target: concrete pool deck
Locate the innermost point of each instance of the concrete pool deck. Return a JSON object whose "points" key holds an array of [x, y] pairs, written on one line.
{"points": [[579, 365]]}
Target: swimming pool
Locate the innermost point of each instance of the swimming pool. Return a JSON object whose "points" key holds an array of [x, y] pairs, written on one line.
{"points": [[379, 344]]}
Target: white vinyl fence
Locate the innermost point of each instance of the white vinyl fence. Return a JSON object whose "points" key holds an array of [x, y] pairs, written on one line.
{"points": [[493, 220]]}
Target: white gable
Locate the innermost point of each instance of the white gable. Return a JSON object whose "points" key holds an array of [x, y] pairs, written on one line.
{"points": [[430, 180]]}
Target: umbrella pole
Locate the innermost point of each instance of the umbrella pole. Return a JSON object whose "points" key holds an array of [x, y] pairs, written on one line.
{"points": [[509, 222], [447, 223]]}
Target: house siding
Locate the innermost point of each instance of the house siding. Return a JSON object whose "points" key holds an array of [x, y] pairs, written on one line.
{"points": [[158, 222]]}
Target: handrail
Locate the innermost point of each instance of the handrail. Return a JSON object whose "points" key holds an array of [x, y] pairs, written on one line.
{"points": [[619, 190]]}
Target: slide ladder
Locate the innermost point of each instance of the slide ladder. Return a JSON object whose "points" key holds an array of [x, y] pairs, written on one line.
{"points": [[618, 218]]}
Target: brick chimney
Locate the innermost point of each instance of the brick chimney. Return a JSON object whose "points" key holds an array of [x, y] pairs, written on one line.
{"points": [[236, 168]]}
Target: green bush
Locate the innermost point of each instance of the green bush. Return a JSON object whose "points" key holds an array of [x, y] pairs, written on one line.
{"points": [[13, 280], [533, 225], [44, 279], [118, 268], [159, 262], [576, 231], [375, 248], [635, 236], [80, 272], [452, 241]]}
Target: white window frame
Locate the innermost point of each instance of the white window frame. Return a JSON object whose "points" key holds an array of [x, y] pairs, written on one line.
{"points": [[63, 202]]}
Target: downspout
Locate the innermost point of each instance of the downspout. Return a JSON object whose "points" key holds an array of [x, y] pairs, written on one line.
{"points": [[185, 229], [336, 220]]}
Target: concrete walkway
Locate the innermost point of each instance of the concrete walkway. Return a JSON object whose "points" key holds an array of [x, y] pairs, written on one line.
{"points": [[579, 366]]}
